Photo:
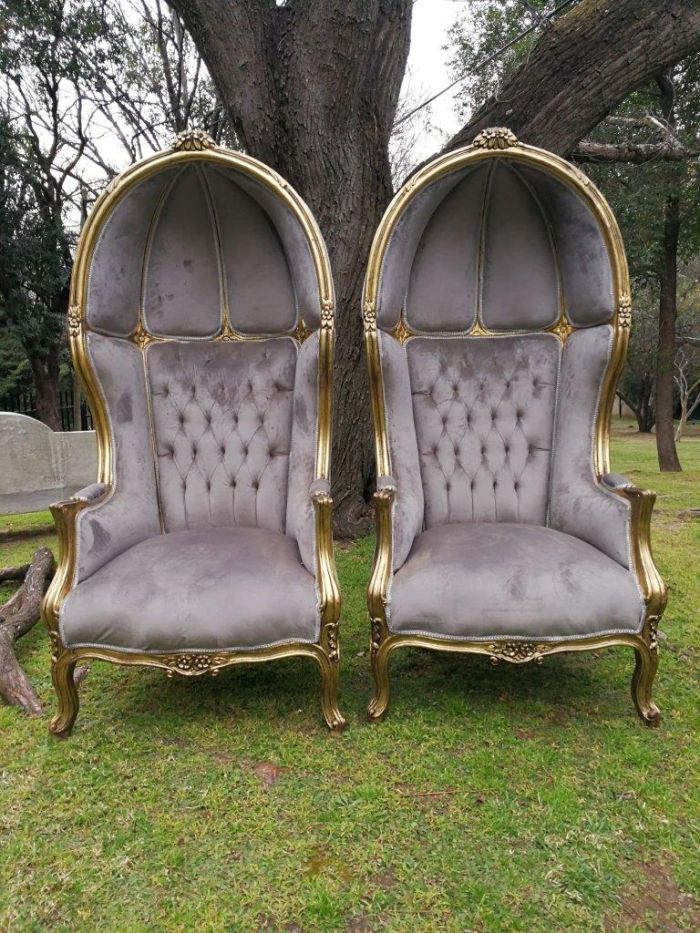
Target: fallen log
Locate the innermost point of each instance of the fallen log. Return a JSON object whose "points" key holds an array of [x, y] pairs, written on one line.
{"points": [[17, 617]]}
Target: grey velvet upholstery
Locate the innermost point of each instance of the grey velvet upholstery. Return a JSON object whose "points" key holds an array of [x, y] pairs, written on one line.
{"points": [[409, 506], [579, 505], [222, 419], [213, 589], [130, 513], [202, 238], [480, 580], [114, 291], [513, 243], [484, 414], [302, 459], [205, 539], [500, 526]]}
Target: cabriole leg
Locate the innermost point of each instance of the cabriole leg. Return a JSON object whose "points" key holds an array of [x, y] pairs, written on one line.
{"points": [[647, 662], [329, 693], [380, 671], [62, 674]]}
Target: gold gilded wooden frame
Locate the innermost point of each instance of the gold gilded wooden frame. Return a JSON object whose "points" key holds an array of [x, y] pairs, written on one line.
{"points": [[499, 143], [195, 146]]}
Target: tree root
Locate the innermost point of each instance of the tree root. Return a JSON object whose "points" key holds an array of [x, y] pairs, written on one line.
{"points": [[17, 617]]}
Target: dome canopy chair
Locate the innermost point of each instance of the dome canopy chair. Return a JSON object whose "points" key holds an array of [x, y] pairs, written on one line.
{"points": [[201, 323], [496, 319]]}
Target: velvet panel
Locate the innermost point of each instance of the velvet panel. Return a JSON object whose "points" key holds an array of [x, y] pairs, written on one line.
{"points": [[481, 581], [484, 412], [208, 590], [408, 508], [130, 514], [222, 416], [579, 504]]}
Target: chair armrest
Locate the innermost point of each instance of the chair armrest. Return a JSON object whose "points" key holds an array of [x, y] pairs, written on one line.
{"points": [[326, 575], [65, 514], [382, 571], [615, 481], [641, 505], [386, 484]]}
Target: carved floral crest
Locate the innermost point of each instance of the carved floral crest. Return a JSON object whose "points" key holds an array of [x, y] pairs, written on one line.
{"points": [[193, 141], [495, 137]]}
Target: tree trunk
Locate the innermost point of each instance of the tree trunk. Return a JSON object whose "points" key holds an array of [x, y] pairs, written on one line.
{"points": [[45, 372], [668, 281], [311, 88], [646, 416], [584, 65], [665, 440]]}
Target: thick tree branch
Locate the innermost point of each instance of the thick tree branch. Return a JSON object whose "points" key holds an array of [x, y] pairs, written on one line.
{"points": [[584, 65], [634, 153]]}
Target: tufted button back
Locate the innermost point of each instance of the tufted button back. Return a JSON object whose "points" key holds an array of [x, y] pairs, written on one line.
{"points": [[223, 432], [483, 410]]}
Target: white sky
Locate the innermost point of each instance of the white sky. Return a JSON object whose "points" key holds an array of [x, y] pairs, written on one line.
{"points": [[427, 67]]}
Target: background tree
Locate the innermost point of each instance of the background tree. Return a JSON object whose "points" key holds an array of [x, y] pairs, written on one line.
{"points": [[87, 87]]}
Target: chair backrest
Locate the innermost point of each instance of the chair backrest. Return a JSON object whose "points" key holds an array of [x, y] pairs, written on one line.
{"points": [[199, 275], [496, 309]]}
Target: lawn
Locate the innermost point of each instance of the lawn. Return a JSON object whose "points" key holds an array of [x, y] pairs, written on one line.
{"points": [[507, 798]]}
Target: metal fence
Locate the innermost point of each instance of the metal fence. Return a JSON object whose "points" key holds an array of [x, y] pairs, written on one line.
{"points": [[23, 402]]}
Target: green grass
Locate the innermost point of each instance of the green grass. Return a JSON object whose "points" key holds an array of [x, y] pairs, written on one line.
{"points": [[508, 798]]}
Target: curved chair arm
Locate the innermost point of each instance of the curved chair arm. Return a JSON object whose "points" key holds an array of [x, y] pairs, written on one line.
{"points": [[65, 514], [383, 501], [641, 505], [326, 575]]}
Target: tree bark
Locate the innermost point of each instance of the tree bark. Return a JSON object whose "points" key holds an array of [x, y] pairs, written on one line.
{"points": [[584, 65], [312, 88], [45, 372]]}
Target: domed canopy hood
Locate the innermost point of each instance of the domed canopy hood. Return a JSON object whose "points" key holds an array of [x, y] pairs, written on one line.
{"points": [[497, 237], [197, 240]]}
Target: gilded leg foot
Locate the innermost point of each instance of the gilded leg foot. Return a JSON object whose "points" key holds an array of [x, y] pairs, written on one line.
{"points": [[329, 695], [62, 671], [380, 671], [647, 662]]}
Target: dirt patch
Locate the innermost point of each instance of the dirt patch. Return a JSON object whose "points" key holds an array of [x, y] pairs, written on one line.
{"points": [[267, 772], [655, 903]]}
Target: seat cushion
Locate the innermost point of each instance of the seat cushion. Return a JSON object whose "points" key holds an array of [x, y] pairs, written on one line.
{"points": [[485, 580], [221, 588]]}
